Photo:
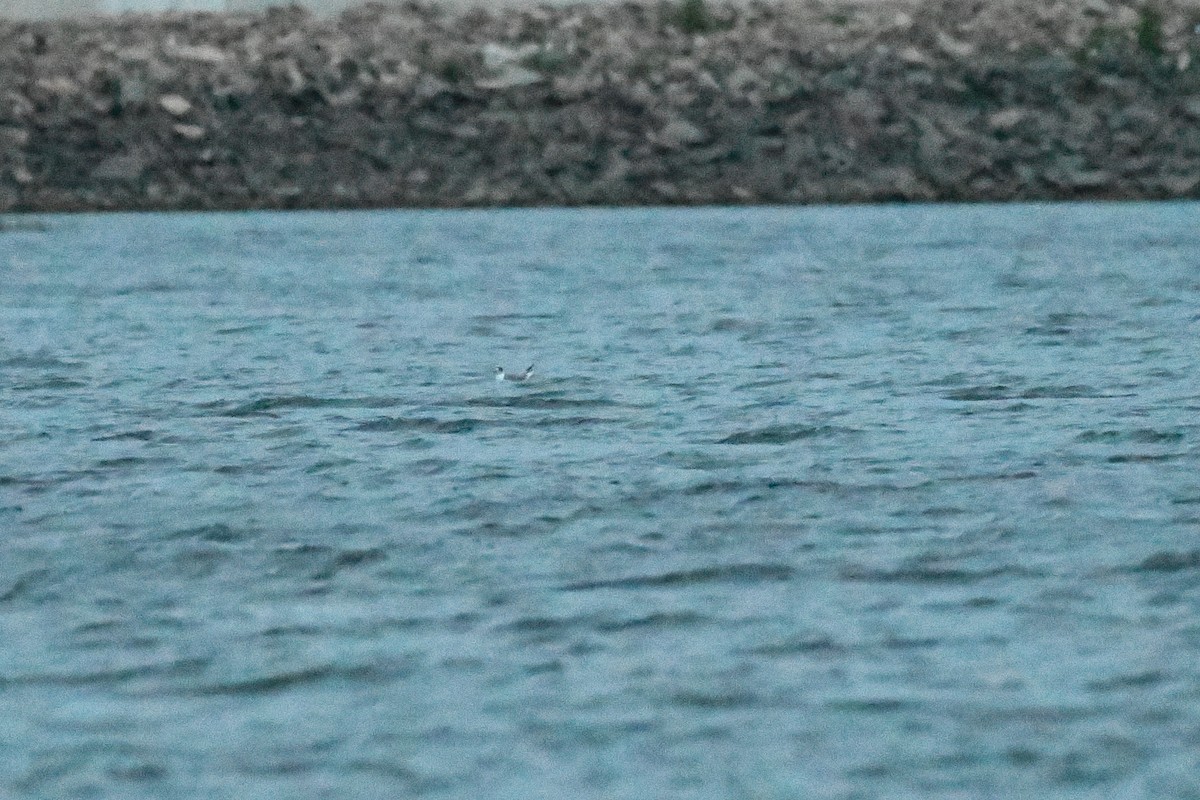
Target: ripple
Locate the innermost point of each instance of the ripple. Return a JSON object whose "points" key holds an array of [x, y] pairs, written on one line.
{"points": [[664, 620], [932, 573], [538, 401], [139, 435], [782, 434], [421, 424], [285, 679], [731, 573], [267, 405], [1168, 561]]}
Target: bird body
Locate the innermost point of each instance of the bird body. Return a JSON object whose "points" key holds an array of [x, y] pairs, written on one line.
{"points": [[501, 375]]}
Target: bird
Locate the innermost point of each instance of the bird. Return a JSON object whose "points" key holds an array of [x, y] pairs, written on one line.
{"points": [[501, 375]]}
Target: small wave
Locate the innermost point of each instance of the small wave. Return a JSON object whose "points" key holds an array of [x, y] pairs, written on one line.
{"points": [[994, 391], [715, 699], [322, 562], [15, 225], [50, 382], [141, 435], [23, 585], [268, 405], [659, 621], [929, 573], [781, 434], [304, 676], [218, 533], [731, 573], [38, 361], [802, 645], [1169, 561], [184, 667], [1134, 680], [874, 704], [127, 462], [1069, 392], [537, 401], [422, 424], [1143, 458], [1001, 391]]}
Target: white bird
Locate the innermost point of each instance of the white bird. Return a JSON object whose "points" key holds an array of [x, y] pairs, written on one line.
{"points": [[501, 375]]}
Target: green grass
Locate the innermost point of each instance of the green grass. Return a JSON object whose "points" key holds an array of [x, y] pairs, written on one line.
{"points": [[1149, 31], [693, 17]]}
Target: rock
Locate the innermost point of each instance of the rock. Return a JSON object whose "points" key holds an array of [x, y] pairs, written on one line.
{"points": [[1004, 121], [465, 132], [954, 47], [914, 57], [498, 56], [1181, 185], [193, 133], [429, 87], [58, 85], [131, 90], [743, 78], [679, 133], [204, 53], [13, 137], [511, 76], [123, 167], [1068, 172], [863, 107], [174, 105]]}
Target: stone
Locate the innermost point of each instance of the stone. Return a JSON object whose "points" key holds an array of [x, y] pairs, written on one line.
{"points": [[174, 105], [429, 87], [193, 133], [954, 47], [498, 56], [13, 137], [742, 79], [913, 57], [511, 76], [1004, 121], [59, 85], [204, 53], [122, 167], [679, 133]]}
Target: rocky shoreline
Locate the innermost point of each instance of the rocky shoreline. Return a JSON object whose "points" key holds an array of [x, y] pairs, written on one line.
{"points": [[682, 102]]}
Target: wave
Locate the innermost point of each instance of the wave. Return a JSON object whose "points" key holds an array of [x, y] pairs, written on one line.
{"points": [[783, 434], [728, 573]]}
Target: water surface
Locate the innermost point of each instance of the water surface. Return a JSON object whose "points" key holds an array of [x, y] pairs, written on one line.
{"points": [[802, 503]]}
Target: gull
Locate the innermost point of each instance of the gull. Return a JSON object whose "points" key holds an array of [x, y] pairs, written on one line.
{"points": [[501, 375]]}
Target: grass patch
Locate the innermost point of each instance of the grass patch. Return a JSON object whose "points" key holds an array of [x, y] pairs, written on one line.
{"points": [[1149, 31], [693, 17]]}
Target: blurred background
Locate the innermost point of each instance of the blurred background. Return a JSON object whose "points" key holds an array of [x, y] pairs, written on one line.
{"points": [[51, 9]]}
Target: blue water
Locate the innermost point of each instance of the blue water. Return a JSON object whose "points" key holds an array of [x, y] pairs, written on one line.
{"points": [[890, 502]]}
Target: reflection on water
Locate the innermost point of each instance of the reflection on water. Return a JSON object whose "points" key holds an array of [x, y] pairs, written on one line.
{"points": [[855, 502]]}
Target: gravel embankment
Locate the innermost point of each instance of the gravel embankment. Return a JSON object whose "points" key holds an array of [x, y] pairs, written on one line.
{"points": [[809, 102]]}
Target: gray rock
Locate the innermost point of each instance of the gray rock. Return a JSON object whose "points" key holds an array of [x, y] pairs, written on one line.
{"points": [[679, 133], [175, 105], [1004, 121], [193, 133], [13, 137], [123, 167], [511, 76]]}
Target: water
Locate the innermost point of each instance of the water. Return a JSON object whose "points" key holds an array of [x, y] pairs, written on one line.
{"points": [[802, 503]]}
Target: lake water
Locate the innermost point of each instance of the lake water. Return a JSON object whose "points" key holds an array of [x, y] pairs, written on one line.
{"points": [[887, 502]]}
